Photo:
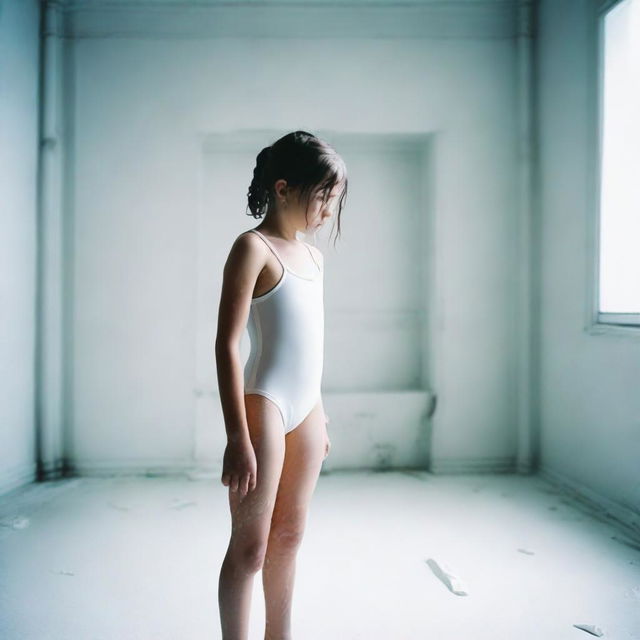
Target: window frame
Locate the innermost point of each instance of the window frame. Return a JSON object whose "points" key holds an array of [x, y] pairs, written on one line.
{"points": [[599, 322]]}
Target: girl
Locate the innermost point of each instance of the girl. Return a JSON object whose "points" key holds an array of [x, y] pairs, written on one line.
{"points": [[274, 418]]}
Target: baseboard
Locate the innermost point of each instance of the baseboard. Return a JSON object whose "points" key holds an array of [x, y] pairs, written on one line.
{"points": [[492, 464], [603, 508], [148, 467]]}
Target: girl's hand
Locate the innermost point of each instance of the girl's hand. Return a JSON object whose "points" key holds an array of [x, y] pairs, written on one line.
{"points": [[327, 442], [239, 467]]}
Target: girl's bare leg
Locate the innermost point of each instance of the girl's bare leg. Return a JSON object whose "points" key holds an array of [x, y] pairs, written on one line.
{"points": [[251, 519], [303, 458]]}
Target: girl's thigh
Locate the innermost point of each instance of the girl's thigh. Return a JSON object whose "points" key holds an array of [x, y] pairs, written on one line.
{"points": [[304, 453], [251, 514]]}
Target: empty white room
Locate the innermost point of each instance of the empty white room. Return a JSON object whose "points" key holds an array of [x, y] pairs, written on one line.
{"points": [[320, 319]]}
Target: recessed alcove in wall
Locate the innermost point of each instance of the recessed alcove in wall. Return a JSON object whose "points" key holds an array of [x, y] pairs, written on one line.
{"points": [[377, 285]]}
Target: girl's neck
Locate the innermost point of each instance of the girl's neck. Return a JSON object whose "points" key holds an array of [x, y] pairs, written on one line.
{"points": [[282, 231]]}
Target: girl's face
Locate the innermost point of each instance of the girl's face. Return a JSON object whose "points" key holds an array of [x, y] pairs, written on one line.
{"points": [[319, 211]]}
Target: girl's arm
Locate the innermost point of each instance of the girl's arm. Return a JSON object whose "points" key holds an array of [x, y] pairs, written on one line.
{"points": [[244, 263], [320, 257]]}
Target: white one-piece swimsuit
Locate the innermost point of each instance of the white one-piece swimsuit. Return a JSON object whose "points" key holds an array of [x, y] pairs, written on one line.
{"points": [[286, 329]]}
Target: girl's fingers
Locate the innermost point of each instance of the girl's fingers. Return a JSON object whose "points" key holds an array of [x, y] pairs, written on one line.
{"points": [[243, 483]]}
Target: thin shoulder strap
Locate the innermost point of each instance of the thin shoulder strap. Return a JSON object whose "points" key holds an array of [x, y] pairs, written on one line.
{"points": [[312, 256], [277, 255]]}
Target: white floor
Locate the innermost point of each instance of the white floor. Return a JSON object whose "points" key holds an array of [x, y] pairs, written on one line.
{"points": [[139, 558]]}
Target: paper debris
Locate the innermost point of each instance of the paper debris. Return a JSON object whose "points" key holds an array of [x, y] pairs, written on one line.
{"points": [[448, 577], [589, 628]]}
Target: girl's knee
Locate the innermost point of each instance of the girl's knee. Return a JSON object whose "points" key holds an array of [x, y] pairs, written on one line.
{"points": [[249, 555], [286, 537]]}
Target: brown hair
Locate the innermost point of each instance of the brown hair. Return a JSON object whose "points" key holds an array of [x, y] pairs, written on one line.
{"points": [[304, 161]]}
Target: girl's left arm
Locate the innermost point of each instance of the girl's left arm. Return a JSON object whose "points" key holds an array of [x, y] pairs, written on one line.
{"points": [[327, 441]]}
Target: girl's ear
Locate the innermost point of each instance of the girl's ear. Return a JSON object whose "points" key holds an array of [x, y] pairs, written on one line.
{"points": [[280, 187]]}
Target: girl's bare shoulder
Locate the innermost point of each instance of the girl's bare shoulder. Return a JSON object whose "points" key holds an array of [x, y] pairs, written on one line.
{"points": [[317, 254], [246, 247], [247, 240]]}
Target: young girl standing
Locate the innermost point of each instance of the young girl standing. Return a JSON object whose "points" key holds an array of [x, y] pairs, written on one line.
{"points": [[273, 413]]}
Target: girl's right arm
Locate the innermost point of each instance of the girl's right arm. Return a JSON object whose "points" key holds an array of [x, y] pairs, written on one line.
{"points": [[244, 263]]}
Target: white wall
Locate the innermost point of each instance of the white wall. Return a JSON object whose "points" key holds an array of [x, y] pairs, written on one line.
{"points": [[590, 406], [144, 105], [19, 28]]}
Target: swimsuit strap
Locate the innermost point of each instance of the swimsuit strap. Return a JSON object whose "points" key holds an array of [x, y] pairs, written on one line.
{"points": [[311, 254], [277, 255]]}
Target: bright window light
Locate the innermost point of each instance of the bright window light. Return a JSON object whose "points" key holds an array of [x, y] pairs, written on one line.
{"points": [[619, 278]]}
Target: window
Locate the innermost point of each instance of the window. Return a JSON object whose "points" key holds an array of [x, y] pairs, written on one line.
{"points": [[618, 300]]}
